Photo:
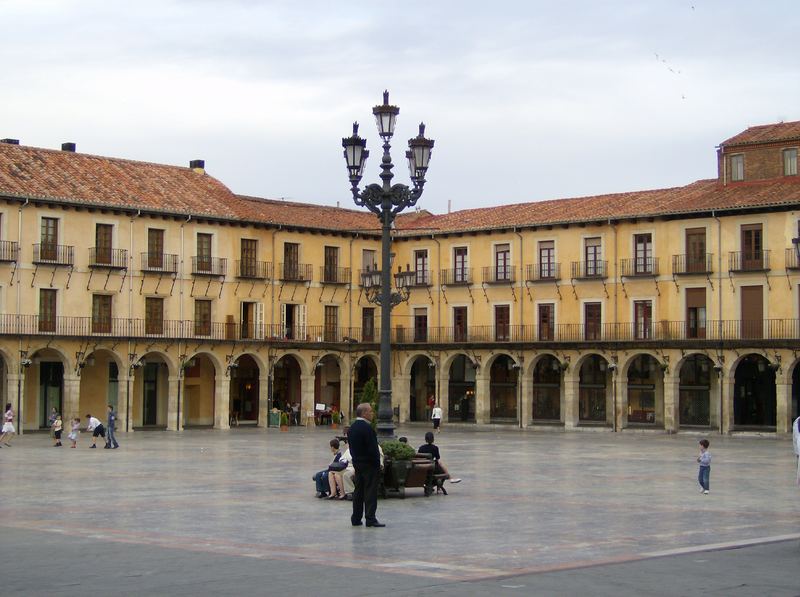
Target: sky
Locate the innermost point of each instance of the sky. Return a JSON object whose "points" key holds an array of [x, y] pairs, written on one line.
{"points": [[526, 100]]}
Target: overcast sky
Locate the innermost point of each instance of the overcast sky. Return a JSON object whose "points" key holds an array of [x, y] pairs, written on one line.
{"points": [[526, 100]]}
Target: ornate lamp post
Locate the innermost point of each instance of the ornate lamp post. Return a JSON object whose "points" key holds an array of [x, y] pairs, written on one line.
{"points": [[386, 201]]}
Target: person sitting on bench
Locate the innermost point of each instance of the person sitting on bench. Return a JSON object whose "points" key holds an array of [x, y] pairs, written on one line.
{"points": [[430, 448]]}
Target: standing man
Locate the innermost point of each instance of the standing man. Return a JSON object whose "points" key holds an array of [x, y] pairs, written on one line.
{"points": [[111, 440], [366, 461]]}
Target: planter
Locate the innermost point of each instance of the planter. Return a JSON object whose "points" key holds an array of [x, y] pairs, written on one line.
{"points": [[284, 428], [334, 425]]}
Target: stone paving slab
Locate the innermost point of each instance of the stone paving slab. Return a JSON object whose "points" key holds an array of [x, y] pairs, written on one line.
{"points": [[246, 495]]}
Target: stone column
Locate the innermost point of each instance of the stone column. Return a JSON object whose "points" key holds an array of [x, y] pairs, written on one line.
{"points": [[571, 396], [263, 401], [122, 404], [401, 396], [16, 398], [172, 404], [444, 394], [346, 393], [306, 398], [222, 403], [619, 389], [727, 403], [526, 405], [482, 399], [671, 403], [783, 408], [72, 399]]}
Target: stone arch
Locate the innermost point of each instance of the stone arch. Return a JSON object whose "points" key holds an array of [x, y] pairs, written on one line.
{"points": [[150, 389], [263, 367], [408, 364], [422, 386], [245, 371], [696, 396], [595, 389], [219, 366], [547, 382], [287, 384], [754, 392], [461, 372], [793, 379], [504, 378], [201, 373], [643, 399], [100, 371]]}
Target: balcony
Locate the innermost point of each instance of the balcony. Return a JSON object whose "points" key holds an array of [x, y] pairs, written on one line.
{"points": [[209, 266], [459, 276], [108, 258], [741, 261], [9, 251], [160, 263], [334, 275], [295, 272], [47, 254], [639, 267], [687, 265], [421, 278], [590, 270], [543, 272], [791, 259], [500, 274], [253, 270]]}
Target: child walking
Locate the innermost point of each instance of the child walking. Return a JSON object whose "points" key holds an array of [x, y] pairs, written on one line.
{"points": [[704, 474], [57, 427], [75, 433]]}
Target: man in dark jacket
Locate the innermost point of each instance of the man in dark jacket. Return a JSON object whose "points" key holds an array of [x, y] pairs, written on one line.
{"points": [[366, 460]]}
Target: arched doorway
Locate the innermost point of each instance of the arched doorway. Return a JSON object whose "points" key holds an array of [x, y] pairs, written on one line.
{"points": [[99, 385], [754, 402], [423, 389], [645, 391], [503, 378], [287, 384], [44, 389], [461, 390], [244, 391], [365, 370], [199, 389], [546, 389], [151, 391], [593, 387], [694, 391], [327, 388]]}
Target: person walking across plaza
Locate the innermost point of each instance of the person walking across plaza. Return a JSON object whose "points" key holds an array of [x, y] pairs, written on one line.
{"points": [[704, 474], [436, 417], [366, 458], [111, 426], [58, 427], [96, 427], [75, 432], [8, 426]]}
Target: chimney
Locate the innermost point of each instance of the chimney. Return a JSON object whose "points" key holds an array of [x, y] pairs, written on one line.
{"points": [[10, 141], [449, 205], [68, 146], [198, 166]]}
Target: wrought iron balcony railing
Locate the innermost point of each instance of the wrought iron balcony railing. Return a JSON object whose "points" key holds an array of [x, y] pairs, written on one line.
{"points": [[791, 259], [334, 275], [685, 265], [590, 270], [161, 263], [209, 266], [253, 270], [9, 250], [500, 274], [108, 257], [743, 261], [543, 272], [639, 267], [458, 276], [295, 272], [47, 254]]}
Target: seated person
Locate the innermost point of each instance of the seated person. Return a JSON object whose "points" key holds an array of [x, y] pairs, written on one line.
{"points": [[321, 477], [430, 448], [348, 484]]}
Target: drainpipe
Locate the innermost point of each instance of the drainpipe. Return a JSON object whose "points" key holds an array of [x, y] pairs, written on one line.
{"points": [[19, 304], [180, 315], [522, 275], [719, 307], [272, 283], [438, 295], [130, 317], [350, 303], [616, 285]]}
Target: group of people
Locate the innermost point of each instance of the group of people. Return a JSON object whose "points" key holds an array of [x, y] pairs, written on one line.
{"points": [[93, 425], [354, 473]]}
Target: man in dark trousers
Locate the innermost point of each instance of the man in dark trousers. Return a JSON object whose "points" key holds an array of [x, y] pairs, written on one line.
{"points": [[366, 460]]}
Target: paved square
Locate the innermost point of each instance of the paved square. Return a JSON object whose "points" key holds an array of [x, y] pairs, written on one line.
{"points": [[191, 513]]}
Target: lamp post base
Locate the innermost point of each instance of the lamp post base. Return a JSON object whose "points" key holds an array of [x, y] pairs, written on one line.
{"points": [[385, 426]]}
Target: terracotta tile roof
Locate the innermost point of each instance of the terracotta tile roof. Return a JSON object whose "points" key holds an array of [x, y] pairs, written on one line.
{"points": [[781, 131], [308, 215]]}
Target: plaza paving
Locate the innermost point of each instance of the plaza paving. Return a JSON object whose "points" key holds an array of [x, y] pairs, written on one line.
{"points": [[233, 512]]}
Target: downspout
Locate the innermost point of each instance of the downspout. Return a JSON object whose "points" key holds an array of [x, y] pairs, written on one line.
{"points": [[719, 307], [521, 324], [350, 303], [178, 426], [616, 319], [19, 304], [130, 317], [438, 294], [272, 284]]}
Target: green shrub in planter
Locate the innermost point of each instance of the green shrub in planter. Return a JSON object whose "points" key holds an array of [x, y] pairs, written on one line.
{"points": [[284, 420], [395, 450]]}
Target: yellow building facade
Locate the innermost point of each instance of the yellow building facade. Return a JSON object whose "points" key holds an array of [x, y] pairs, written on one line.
{"points": [[157, 289]]}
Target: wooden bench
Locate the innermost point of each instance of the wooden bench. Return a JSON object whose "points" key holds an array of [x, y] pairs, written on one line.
{"points": [[419, 472]]}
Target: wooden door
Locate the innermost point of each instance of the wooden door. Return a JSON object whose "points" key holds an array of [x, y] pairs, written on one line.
{"points": [[752, 311]]}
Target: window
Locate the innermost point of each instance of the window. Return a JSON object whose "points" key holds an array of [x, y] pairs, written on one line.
{"points": [[737, 167], [696, 312], [502, 262], [249, 256], [502, 323], [547, 321], [460, 273], [420, 325], [643, 253], [47, 310], [103, 243], [459, 324], [593, 255], [202, 317], [368, 260], [155, 248], [752, 247], [547, 259], [101, 314], [331, 323], [790, 162], [331, 269], [696, 250], [154, 315], [291, 261], [368, 324], [203, 252], [421, 267], [643, 317], [49, 239], [592, 317]]}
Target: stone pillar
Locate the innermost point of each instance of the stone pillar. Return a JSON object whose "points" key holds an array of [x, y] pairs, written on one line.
{"points": [[444, 394], [619, 395], [482, 397], [783, 408], [263, 401], [306, 398], [401, 396], [671, 403], [172, 404], [346, 393], [15, 384], [727, 403], [122, 404], [571, 396], [222, 403], [526, 406], [72, 399]]}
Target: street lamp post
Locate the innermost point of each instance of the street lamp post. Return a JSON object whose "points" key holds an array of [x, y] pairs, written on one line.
{"points": [[386, 201]]}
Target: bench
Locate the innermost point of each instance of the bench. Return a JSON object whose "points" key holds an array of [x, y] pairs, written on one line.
{"points": [[414, 473]]}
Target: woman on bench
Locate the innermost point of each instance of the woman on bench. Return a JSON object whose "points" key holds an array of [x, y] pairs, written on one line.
{"points": [[430, 448]]}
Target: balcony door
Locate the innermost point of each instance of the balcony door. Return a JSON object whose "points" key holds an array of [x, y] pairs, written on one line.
{"points": [[101, 314], [592, 314], [695, 250], [49, 239], [696, 312], [752, 247], [752, 311], [459, 324], [460, 263], [103, 243], [203, 252], [249, 253], [155, 248], [546, 318]]}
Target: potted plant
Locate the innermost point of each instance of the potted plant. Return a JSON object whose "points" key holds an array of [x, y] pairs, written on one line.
{"points": [[397, 458], [336, 418], [284, 422]]}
